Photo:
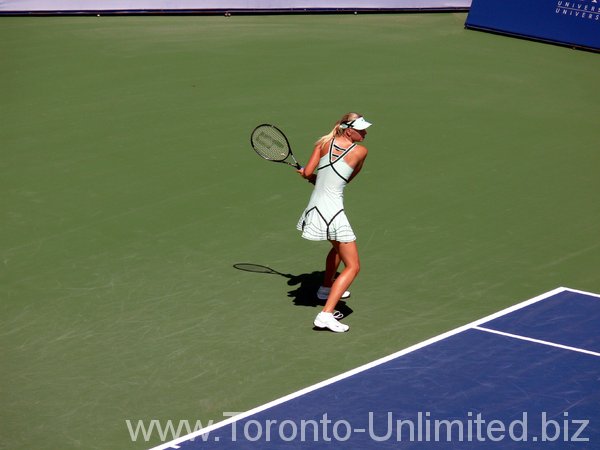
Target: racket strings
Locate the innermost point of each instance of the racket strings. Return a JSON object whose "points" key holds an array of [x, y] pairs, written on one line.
{"points": [[270, 143]]}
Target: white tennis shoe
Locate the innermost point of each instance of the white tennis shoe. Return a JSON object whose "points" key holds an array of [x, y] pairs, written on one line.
{"points": [[323, 293], [326, 320]]}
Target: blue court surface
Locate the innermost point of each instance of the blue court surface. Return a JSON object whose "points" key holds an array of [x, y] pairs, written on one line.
{"points": [[525, 377]]}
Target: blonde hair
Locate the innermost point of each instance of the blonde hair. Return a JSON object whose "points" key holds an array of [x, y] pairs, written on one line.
{"points": [[337, 129]]}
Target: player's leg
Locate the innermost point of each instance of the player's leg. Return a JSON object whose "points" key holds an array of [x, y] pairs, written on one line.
{"points": [[348, 253], [332, 263]]}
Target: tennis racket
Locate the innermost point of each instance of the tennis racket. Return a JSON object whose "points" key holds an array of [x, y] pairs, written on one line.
{"points": [[271, 144]]}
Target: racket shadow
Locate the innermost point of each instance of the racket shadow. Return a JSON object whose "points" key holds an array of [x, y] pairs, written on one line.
{"points": [[304, 286]]}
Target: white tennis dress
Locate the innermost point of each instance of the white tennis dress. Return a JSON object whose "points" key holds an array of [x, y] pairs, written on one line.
{"points": [[324, 217]]}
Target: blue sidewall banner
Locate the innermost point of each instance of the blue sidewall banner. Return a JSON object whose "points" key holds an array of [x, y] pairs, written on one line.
{"points": [[575, 23]]}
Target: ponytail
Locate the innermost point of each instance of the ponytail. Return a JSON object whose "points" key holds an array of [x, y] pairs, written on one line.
{"points": [[326, 139], [337, 129]]}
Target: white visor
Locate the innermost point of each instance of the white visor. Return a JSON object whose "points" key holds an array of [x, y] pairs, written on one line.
{"points": [[357, 124]]}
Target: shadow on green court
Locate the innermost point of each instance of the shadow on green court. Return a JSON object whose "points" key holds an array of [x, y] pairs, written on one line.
{"points": [[305, 286]]}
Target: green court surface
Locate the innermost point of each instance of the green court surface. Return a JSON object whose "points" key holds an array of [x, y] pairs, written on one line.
{"points": [[129, 191]]}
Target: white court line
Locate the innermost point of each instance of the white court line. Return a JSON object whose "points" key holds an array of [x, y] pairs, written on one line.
{"points": [[174, 444], [537, 341], [582, 292]]}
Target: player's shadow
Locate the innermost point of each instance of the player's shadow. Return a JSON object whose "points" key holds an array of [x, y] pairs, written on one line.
{"points": [[303, 287]]}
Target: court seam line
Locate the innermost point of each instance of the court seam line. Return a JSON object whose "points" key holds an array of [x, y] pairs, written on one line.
{"points": [[537, 341], [61, 234], [174, 443]]}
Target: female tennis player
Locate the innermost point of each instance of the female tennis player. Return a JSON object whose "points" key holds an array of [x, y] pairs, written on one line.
{"points": [[337, 158]]}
